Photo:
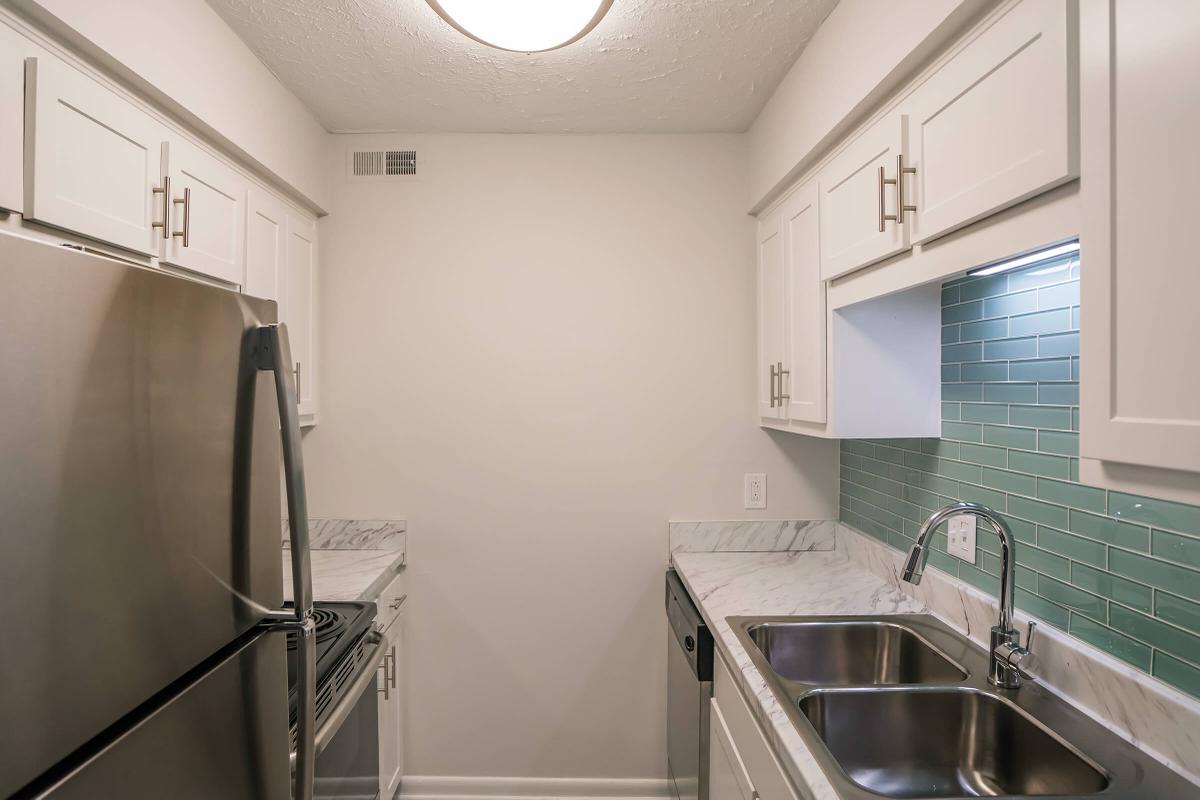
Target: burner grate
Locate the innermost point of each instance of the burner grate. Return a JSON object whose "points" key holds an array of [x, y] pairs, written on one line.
{"points": [[329, 624]]}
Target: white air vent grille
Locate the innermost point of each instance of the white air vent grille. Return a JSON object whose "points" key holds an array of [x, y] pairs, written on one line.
{"points": [[383, 163]]}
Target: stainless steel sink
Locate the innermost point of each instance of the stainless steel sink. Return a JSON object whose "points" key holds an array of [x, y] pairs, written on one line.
{"points": [[945, 743], [900, 706], [852, 653]]}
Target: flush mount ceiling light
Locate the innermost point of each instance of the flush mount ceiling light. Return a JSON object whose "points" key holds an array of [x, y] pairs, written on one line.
{"points": [[523, 26]]}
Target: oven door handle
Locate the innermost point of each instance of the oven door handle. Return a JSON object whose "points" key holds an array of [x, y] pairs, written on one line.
{"points": [[346, 703]]}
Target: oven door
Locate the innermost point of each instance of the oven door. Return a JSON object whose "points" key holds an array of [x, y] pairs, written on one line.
{"points": [[347, 740]]}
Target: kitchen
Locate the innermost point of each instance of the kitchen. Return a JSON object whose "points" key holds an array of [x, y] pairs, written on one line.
{"points": [[741, 291]]}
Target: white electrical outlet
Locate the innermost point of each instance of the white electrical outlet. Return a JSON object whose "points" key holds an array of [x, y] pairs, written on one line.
{"points": [[961, 537], [755, 491]]}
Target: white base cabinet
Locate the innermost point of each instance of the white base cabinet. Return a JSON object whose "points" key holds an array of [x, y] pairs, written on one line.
{"points": [[742, 765], [390, 686]]}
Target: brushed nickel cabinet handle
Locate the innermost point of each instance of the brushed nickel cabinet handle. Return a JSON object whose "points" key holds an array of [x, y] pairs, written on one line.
{"points": [[165, 191], [901, 171], [296, 372], [394, 670], [772, 385], [397, 602], [186, 202], [780, 371], [884, 217]]}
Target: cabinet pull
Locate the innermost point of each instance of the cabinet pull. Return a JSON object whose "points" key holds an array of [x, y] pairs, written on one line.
{"points": [[901, 171], [780, 371], [165, 191], [385, 689], [394, 670], [773, 386], [883, 216], [186, 202], [296, 372]]}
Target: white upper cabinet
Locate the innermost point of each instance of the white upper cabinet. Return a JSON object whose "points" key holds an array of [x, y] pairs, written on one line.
{"points": [[91, 159], [298, 308], [805, 384], [772, 316], [14, 48], [858, 201], [266, 244], [997, 123], [208, 214], [1140, 389]]}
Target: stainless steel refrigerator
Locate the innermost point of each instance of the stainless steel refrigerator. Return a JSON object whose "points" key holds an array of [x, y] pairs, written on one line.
{"points": [[142, 422]]}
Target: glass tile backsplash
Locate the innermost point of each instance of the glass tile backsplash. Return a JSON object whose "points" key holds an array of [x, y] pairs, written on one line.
{"points": [[1119, 571]]}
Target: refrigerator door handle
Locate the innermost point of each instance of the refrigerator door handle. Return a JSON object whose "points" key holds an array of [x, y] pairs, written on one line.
{"points": [[275, 356]]}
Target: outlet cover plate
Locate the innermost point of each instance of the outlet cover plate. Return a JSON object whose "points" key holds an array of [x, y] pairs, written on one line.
{"points": [[755, 490], [960, 535]]}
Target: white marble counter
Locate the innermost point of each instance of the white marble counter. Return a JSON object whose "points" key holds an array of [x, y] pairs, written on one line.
{"points": [[804, 582], [351, 559], [347, 575]]}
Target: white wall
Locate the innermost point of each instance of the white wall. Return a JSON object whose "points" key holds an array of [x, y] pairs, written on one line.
{"points": [[187, 54], [862, 51], [538, 356]]}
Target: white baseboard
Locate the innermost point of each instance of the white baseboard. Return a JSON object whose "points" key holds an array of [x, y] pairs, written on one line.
{"points": [[445, 787]]}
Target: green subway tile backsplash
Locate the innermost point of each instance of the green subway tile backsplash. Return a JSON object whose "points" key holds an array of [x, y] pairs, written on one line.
{"points": [[1119, 571]]}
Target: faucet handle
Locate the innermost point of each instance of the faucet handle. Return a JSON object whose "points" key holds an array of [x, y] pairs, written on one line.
{"points": [[1017, 658], [1029, 635]]}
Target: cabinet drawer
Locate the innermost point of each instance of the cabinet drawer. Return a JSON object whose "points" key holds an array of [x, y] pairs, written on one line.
{"points": [[997, 123], [390, 602], [766, 775]]}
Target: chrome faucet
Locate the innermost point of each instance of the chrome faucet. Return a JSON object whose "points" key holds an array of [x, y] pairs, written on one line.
{"points": [[1010, 662]]}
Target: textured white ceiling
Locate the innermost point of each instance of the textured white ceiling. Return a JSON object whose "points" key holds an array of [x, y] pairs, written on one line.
{"points": [[651, 65]]}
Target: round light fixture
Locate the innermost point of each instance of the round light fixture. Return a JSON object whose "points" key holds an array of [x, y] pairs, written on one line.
{"points": [[523, 26]]}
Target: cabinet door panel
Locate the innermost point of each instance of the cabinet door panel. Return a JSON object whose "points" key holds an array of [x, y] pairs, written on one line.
{"points": [[14, 48], [1140, 398], [215, 198], [266, 244], [851, 195], [805, 384], [727, 775], [391, 719], [298, 308], [91, 158], [998, 123], [772, 313]]}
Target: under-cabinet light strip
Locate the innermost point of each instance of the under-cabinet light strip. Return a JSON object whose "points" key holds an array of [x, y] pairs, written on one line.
{"points": [[1026, 260]]}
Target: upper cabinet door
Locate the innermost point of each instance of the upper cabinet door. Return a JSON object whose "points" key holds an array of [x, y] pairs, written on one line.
{"points": [[998, 123], [772, 315], [805, 384], [857, 197], [208, 212], [13, 50], [298, 308], [266, 244], [1140, 398], [91, 159]]}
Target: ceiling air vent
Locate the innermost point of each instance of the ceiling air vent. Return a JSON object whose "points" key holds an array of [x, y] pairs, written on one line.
{"points": [[383, 164]]}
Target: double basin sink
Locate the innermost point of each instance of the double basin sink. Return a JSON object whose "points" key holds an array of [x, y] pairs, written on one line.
{"points": [[899, 706]]}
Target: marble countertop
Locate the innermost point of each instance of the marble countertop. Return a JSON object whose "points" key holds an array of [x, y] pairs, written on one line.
{"points": [[352, 560], [814, 582], [347, 575]]}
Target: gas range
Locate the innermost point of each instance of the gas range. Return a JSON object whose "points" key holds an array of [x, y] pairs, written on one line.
{"points": [[340, 649]]}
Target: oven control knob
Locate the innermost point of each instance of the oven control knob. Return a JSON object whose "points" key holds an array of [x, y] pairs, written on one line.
{"points": [[689, 643]]}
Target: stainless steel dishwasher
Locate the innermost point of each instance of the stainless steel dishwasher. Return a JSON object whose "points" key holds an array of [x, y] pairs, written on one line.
{"points": [[689, 690]]}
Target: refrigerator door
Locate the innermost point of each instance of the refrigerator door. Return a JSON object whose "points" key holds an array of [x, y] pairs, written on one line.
{"points": [[139, 483], [223, 735]]}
